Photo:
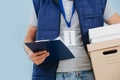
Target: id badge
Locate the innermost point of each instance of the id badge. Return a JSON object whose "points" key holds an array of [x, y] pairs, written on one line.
{"points": [[69, 37]]}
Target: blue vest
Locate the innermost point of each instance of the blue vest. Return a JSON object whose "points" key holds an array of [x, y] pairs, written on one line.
{"points": [[90, 14]]}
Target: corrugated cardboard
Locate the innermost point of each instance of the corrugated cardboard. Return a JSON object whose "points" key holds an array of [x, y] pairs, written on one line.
{"points": [[105, 58]]}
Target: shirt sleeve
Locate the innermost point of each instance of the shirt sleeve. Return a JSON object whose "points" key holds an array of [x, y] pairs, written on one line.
{"points": [[33, 18], [109, 12]]}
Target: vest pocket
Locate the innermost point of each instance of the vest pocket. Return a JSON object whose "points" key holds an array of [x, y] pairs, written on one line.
{"points": [[93, 20], [45, 71], [47, 34], [92, 16]]}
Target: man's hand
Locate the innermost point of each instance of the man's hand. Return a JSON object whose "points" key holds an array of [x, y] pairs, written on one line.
{"points": [[114, 19], [38, 57]]}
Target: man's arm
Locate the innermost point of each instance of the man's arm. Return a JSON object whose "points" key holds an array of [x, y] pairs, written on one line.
{"points": [[114, 19], [39, 56], [30, 35]]}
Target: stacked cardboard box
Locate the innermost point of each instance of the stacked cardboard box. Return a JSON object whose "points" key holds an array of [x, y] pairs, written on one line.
{"points": [[104, 33], [104, 52]]}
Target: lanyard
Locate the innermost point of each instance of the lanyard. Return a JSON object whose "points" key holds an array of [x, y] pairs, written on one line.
{"points": [[63, 13]]}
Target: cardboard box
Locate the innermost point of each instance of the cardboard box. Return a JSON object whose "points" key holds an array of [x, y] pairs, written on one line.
{"points": [[105, 58], [104, 33]]}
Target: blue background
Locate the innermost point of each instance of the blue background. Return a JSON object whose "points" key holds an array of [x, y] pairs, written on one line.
{"points": [[14, 19]]}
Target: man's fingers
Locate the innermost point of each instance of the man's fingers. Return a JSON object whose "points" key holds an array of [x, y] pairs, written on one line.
{"points": [[37, 53], [39, 56], [40, 61], [42, 56]]}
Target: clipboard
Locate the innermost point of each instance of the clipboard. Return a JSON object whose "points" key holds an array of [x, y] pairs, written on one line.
{"points": [[56, 48]]}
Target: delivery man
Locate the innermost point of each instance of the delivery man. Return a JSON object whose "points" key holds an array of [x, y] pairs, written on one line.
{"points": [[69, 20]]}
